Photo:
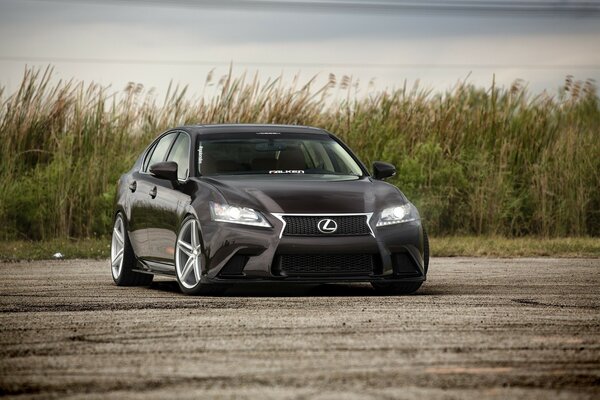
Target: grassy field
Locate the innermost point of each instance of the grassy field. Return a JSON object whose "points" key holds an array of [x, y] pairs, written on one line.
{"points": [[494, 246], [476, 161], [98, 248], [440, 247]]}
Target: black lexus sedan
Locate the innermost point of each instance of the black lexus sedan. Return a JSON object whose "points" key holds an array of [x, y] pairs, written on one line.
{"points": [[219, 205]]}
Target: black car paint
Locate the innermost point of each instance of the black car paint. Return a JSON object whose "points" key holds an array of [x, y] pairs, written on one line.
{"points": [[155, 208]]}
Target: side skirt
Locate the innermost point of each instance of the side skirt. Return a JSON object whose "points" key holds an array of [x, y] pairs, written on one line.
{"points": [[154, 273], [155, 268]]}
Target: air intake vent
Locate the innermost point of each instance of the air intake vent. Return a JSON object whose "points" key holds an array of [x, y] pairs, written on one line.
{"points": [[322, 265], [404, 265], [234, 267]]}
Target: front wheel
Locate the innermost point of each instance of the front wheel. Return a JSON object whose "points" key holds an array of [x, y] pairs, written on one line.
{"points": [[404, 288], [425, 251], [122, 258], [189, 260]]}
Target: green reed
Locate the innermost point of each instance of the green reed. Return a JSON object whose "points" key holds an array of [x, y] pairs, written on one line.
{"points": [[495, 161]]}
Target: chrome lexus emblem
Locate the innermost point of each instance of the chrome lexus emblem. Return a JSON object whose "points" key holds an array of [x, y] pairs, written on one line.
{"points": [[327, 226]]}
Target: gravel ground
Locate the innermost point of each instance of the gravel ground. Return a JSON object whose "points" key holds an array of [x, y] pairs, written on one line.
{"points": [[479, 328]]}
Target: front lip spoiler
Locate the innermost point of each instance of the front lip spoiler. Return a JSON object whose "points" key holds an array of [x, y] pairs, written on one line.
{"points": [[235, 280], [280, 216], [316, 280]]}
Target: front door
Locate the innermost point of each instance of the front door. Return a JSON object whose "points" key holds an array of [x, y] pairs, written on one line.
{"points": [[168, 204], [142, 207]]}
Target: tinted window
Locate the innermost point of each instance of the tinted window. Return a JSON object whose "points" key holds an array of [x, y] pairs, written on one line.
{"points": [[277, 154], [147, 159], [180, 153], [158, 153]]}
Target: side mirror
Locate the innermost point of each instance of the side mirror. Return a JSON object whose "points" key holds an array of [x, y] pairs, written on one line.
{"points": [[382, 170], [165, 170]]}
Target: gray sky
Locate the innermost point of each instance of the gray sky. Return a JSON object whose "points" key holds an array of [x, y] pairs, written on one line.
{"points": [[116, 42]]}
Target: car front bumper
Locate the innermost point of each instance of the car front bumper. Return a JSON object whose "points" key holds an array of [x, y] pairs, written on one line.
{"points": [[246, 254]]}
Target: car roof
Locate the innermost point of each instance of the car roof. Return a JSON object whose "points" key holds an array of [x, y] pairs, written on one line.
{"points": [[250, 128]]}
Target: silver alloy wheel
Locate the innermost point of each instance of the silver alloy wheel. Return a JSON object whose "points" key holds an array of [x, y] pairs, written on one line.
{"points": [[117, 247], [187, 255]]}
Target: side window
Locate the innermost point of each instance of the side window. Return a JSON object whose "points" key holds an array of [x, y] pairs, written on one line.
{"points": [[147, 158], [180, 153], [158, 153]]}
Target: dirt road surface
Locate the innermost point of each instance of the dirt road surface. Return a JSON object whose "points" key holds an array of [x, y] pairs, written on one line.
{"points": [[479, 328]]}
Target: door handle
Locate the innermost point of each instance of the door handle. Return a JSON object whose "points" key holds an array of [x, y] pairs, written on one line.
{"points": [[153, 192], [133, 186]]}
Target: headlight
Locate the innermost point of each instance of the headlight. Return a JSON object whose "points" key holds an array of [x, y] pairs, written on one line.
{"points": [[237, 215], [398, 215]]}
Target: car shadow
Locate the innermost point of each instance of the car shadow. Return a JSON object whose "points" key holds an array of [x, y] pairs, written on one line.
{"points": [[297, 290]]}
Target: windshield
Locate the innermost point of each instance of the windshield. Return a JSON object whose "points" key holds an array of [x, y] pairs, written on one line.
{"points": [[274, 154]]}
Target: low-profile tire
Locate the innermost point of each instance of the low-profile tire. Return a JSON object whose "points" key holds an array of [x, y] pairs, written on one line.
{"points": [[398, 288], [189, 260], [403, 288], [425, 251], [122, 258]]}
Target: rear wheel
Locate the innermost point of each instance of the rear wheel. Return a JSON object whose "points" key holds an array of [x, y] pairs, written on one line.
{"points": [[189, 260], [122, 258]]}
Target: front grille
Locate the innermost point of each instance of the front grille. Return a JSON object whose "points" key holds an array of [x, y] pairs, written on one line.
{"points": [[306, 225], [302, 265]]}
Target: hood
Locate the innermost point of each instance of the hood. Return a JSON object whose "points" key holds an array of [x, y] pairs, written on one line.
{"points": [[305, 194]]}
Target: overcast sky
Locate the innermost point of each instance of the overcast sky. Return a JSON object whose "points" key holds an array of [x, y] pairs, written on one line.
{"points": [[116, 42]]}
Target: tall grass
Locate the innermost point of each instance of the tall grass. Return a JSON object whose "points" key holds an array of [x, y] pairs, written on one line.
{"points": [[495, 161]]}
